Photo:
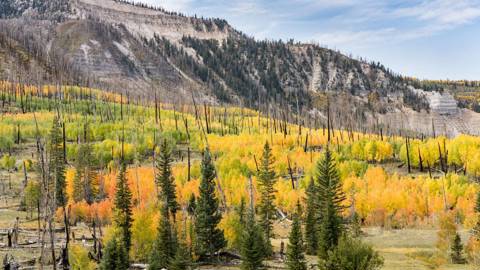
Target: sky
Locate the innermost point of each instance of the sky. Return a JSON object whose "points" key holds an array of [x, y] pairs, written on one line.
{"points": [[427, 39]]}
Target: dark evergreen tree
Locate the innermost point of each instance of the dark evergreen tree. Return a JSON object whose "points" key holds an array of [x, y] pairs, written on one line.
{"points": [[311, 227], [456, 253], [266, 206], [115, 256], [241, 211], [57, 174], [295, 248], [85, 179], [57, 163], [192, 205], [123, 206], [165, 245], [209, 238], [252, 245], [331, 198], [165, 180], [355, 225], [182, 259]]}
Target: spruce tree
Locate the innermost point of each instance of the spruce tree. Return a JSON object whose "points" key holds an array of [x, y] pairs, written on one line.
{"points": [[331, 198], [266, 206], [209, 238], [295, 249], [165, 180], [241, 211], [57, 174], [252, 245], [115, 256], [123, 206], [192, 205], [182, 259], [85, 178], [456, 253], [57, 163], [311, 237], [355, 225], [165, 245]]}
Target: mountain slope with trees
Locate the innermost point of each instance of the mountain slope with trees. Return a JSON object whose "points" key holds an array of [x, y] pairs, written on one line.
{"points": [[140, 49]]}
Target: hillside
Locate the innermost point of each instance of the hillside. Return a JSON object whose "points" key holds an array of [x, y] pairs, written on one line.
{"points": [[147, 52], [191, 46], [399, 189]]}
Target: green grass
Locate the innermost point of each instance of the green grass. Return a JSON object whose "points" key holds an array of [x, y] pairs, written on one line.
{"points": [[408, 248]]}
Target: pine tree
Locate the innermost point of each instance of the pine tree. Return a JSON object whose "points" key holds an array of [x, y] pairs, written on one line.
{"points": [[165, 245], [115, 256], [267, 209], [123, 206], [311, 235], [355, 225], [57, 173], [209, 238], [241, 211], [456, 253], [252, 245], [295, 249], [165, 180], [57, 163], [78, 187], [182, 259], [331, 198], [85, 180], [192, 205]]}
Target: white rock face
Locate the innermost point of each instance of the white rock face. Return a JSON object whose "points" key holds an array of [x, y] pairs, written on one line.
{"points": [[147, 22], [444, 104]]}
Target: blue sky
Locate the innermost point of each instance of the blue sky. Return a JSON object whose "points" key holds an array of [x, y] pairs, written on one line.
{"points": [[436, 39]]}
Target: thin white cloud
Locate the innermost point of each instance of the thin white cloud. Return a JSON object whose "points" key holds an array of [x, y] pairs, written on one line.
{"points": [[424, 19], [247, 8], [358, 39], [453, 12]]}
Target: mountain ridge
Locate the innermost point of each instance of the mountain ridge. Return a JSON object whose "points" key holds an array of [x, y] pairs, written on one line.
{"points": [[147, 51]]}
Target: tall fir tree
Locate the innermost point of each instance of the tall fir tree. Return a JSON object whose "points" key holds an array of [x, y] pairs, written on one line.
{"points": [[209, 238], [183, 258], [241, 211], [165, 245], [295, 248], [57, 173], [192, 205], [266, 206], [311, 235], [123, 206], [331, 198], [456, 253], [252, 245], [115, 256], [85, 180], [165, 180], [57, 163]]}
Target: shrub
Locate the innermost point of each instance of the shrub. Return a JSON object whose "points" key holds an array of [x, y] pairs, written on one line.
{"points": [[352, 254]]}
